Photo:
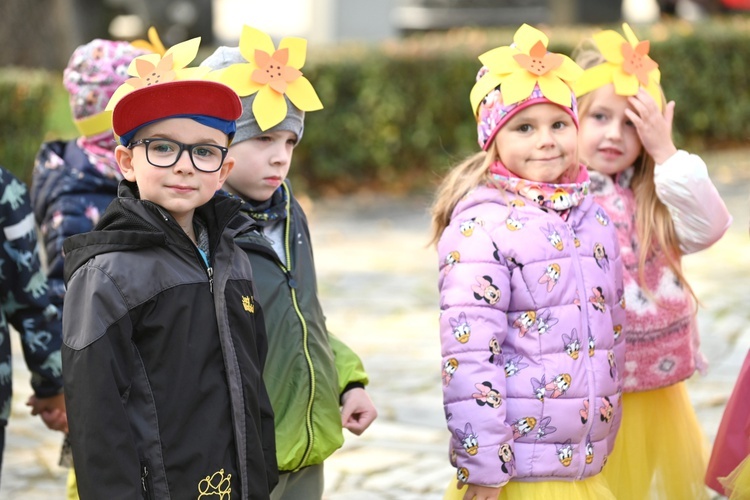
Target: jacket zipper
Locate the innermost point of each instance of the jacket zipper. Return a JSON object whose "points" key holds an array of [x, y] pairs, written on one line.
{"points": [[146, 483], [308, 414], [208, 267], [308, 358]]}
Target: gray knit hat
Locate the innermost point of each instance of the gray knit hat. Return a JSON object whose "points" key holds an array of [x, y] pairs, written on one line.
{"points": [[247, 126]]}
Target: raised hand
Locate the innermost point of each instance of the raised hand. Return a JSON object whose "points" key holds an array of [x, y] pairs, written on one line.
{"points": [[654, 128]]}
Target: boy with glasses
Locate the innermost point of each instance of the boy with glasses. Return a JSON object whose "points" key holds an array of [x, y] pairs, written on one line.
{"points": [[164, 343]]}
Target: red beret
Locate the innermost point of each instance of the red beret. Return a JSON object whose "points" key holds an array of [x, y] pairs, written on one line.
{"points": [[182, 97]]}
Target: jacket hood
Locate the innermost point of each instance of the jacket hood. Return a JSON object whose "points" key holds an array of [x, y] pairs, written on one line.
{"points": [[130, 223]]}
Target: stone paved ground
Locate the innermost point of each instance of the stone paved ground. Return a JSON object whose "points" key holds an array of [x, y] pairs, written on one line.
{"points": [[377, 282]]}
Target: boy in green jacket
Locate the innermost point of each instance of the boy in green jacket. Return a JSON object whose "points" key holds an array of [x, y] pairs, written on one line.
{"points": [[315, 382]]}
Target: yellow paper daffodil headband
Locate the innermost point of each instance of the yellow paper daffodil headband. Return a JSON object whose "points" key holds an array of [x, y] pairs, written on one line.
{"points": [[162, 86], [272, 74], [152, 69], [512, 75], [627, 66]]}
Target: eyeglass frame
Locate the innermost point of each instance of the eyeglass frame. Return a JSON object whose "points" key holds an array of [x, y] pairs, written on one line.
{"points": [[183, 147]]}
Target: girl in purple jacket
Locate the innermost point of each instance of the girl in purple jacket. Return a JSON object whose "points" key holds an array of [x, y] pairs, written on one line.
{"points": [[664, 206], [530, 291]]}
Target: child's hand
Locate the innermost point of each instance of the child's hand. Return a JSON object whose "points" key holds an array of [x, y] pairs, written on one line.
{"points": [[479, 492], [357, 411], [51, 410], [654, 129]]}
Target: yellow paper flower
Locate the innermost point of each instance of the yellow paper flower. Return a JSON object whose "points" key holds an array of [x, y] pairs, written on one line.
{"points": [[153, 44], [627, 65], [522, 66], [272, 73], [153, 69]]}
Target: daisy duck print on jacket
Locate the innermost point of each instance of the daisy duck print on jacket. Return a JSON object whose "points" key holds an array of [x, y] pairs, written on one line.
{"points": [[530, 287]]}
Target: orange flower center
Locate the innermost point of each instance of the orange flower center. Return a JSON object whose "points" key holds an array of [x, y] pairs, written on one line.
{"points": [[636, 61], [152, 79], [538, 61], [148, 74], [273, 70]]}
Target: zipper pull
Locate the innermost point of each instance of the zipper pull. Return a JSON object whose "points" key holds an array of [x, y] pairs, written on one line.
{"points": [[144, 475], [210, 272]]}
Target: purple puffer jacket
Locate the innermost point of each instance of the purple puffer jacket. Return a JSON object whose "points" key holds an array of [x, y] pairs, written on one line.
{"points": [[531, 313]]}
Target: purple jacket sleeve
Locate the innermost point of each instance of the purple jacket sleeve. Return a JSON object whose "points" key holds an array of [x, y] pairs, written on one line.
{"points": [[474, 294]]}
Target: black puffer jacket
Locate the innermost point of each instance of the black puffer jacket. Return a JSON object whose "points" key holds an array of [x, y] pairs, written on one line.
{"points": [[163, 357]]}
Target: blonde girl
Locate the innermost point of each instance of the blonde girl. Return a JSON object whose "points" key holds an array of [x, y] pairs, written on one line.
{"points": [[530, 282], [664, 206]]}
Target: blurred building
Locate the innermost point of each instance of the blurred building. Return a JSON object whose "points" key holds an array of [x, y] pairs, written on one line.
{"points": [[320, 21], [331, 21], [43, 33]]}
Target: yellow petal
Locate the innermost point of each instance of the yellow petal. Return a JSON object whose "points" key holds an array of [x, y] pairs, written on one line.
{"points": [[555, 90], [121, 91], [302, 95], [517, 87], [297, 51], [500, 60], [593, 78], [239, 77], [143, 44], [483, 87], [153, 44], [625, 84], [153, 37], [610, 45], [568, 70], [526, 36], [269, 108], [252, 39], [184, 52], [216, 75], [655, 75], [196, 73], [629, 34]]}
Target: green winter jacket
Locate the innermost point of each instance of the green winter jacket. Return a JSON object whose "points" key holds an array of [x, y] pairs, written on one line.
{"points": [[307, 369]]}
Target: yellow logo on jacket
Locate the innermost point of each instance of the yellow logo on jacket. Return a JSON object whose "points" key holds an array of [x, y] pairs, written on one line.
{"points": [[248, 304], [216, 485]]}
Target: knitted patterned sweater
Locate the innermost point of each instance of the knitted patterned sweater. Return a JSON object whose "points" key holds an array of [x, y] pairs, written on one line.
{"points": [[662, 343]]}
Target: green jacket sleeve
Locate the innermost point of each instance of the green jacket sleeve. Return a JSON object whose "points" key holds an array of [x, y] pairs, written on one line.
{"points": [[348, 365]]}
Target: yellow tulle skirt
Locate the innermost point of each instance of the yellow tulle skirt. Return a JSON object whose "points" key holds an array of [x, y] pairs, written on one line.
{"points": [[592, 488], [737, 484], [72, 485], [660, 451]]}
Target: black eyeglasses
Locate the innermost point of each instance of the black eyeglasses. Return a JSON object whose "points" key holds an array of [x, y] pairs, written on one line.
{"points": [[164, 153]]}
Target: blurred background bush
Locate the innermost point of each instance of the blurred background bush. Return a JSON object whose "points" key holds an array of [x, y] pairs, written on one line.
{"points": [[397, 114]]}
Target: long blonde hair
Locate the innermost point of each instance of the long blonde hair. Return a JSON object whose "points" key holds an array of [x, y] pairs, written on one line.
{"points": [[653, 222], [470, 173]]}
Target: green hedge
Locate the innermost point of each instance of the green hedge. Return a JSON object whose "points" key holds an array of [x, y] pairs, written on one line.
{"points": [[399, 115], [25, 97]]}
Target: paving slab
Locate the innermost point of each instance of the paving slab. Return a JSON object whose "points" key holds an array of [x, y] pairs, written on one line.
{"points": [[377, 279]]}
